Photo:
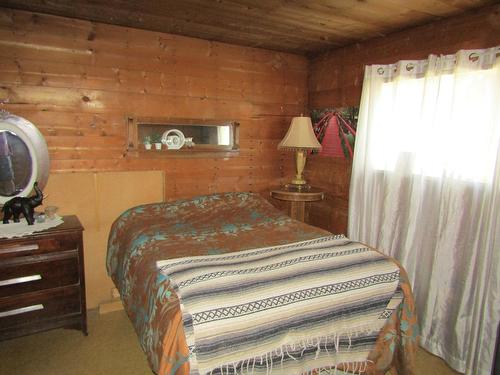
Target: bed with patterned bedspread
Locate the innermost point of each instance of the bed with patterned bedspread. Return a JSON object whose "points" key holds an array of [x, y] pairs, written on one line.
{"points": [[150, 245]]}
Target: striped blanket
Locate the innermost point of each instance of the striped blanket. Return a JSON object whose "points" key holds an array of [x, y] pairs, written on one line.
{"points": [[288, 309]]}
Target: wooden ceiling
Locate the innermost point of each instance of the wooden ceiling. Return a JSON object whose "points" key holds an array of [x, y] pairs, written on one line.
{"points": [[305, 27]]}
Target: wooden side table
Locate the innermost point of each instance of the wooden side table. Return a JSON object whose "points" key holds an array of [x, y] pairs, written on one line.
{"points": [[298, 200]]}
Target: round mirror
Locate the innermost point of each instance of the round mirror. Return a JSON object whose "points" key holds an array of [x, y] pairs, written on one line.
{"points": [[24, 157]]}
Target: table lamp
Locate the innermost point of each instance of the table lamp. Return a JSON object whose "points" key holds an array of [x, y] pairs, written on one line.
{"points": [[299, 138]]}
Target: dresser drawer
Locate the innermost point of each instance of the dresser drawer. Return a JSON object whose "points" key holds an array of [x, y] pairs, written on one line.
{"points": [[35, 273], [34, 308], [43, 245]]}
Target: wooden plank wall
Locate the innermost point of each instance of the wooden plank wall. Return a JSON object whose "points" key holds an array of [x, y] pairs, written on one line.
{"points": [[336, 79], [79, 80]]}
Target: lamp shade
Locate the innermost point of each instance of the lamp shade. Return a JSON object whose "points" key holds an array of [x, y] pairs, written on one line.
{"points": [[300, 136]]}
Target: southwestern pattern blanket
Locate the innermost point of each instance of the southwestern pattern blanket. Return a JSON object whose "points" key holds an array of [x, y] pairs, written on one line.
{"points": [[285, 309], [211, 225]]}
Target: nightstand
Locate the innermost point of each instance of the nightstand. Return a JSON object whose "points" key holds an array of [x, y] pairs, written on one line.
{"points": [[42, 281], [298, 200]]}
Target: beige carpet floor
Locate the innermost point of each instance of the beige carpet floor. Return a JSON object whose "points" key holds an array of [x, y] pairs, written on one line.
{"points": [[110, 349]]}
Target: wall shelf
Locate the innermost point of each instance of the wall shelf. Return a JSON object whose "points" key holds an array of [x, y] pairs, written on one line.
{"points": [[211, 138]]}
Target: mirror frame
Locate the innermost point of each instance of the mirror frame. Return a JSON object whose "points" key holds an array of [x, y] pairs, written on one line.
{"points": [[136, 149], [35, 142]]}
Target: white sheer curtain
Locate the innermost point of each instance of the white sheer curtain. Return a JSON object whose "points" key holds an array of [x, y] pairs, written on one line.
{"points": [[425, 189]]}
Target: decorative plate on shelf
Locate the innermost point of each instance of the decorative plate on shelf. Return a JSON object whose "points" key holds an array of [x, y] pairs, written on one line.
{"points": [[173, 138]]}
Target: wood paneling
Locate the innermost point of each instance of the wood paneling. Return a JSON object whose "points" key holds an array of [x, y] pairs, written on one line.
{"points": [[78, 81], [332, 175], [299, 26], [336, 79]]}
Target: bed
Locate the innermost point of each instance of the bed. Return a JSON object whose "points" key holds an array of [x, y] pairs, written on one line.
{"points": [[218, 226]]}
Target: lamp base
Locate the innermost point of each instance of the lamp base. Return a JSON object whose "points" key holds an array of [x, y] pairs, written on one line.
{"points": [[297, 187], [298, 180]]}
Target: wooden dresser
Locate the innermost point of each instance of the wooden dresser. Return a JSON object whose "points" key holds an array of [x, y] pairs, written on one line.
{"points": [[42, 283]]}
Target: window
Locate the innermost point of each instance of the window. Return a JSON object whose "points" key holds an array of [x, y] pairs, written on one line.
{"points": [[445, 133]]}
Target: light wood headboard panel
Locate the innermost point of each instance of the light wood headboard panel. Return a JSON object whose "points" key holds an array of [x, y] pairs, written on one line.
{"points": [[98, 198]]}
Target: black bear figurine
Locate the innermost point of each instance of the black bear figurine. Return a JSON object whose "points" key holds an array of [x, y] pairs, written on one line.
{"points": [[22, 205]]}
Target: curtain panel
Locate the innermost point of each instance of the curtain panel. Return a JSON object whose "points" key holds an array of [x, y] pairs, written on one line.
{"points": [[425, 189]]}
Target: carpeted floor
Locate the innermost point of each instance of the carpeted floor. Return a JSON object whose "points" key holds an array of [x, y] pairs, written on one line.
{"points": [[111, 348]]}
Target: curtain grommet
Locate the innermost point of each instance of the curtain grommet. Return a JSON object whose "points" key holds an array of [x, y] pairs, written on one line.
{"points": [[473, 57]]}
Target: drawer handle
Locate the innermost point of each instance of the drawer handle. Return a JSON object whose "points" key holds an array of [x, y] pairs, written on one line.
{"points": [[20, 280], [21, 310], [17, 249]]}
